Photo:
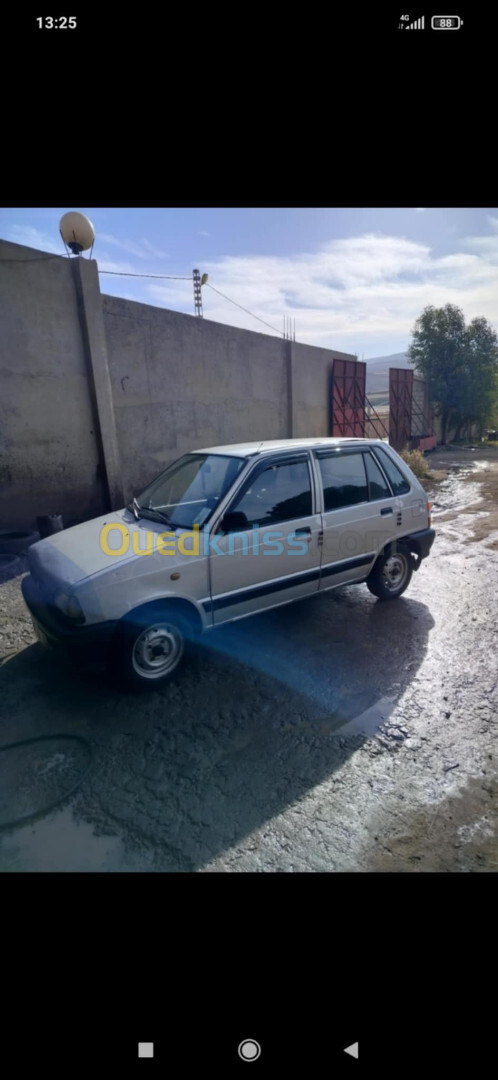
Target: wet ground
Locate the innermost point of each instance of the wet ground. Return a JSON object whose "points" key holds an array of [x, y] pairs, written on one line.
{"points": [[337, 734]]}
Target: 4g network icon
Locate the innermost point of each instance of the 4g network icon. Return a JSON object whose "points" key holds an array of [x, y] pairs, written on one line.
{"points": [[438, 22]]}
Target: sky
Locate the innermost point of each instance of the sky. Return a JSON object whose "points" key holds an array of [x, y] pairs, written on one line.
{"points": [[352, 279]]}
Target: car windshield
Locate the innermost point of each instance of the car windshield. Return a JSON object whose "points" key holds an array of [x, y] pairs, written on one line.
{"points": [[190, 489]]}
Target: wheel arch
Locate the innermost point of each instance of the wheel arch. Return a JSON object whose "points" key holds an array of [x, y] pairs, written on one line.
{"points": [[404, 546], [160, 607]]}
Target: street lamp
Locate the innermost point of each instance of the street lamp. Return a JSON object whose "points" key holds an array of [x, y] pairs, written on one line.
{"points": [[198, 283]]}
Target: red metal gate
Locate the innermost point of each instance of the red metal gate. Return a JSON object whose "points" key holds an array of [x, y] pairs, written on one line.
{"points": [[348, 398], [423, 436], [410, 413], [400, 406]]}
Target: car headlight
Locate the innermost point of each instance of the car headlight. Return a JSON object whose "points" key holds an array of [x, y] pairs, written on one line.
{"points": [[70, 607]]}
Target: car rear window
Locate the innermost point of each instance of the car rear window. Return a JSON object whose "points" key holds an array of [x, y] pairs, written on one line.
{"points": [[398, 482], [379, 488], [344, 480]]}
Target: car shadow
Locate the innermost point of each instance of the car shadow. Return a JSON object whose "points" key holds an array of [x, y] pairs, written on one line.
{"points": [[265, 710]]}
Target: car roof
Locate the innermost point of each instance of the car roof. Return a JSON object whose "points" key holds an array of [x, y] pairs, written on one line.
{"points": [[248, 449]]}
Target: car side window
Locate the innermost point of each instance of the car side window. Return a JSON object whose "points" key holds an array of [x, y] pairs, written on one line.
{"points": [[377, 483], [398, 483], [344, 480], [281, 492]]}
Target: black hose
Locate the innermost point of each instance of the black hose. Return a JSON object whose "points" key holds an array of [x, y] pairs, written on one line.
{"points": [[61, 798]]}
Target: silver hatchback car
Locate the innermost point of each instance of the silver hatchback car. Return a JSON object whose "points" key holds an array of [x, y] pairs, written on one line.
{"points": [[224, 533]]}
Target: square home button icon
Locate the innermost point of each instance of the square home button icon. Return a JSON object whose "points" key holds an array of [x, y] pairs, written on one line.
{"points": [[146, 1050]]}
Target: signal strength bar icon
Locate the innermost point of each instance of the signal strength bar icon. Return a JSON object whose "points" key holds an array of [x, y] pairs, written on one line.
{"points": [[419, 24]]}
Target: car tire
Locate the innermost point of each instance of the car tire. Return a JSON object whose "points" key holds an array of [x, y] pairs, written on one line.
{"points": [[10, 566], [391, 574], [15, 541], [150, 647]]}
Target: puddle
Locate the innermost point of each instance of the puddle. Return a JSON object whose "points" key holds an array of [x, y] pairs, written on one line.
{"points": [[369, 721], [59, 843], [453, 494], [37, 773], [482, 466], [462, 529], [34, 776]]}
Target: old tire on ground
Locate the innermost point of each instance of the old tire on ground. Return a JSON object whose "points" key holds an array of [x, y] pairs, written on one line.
{"points": [[391, 574], [10, 565], [150, 647], [15, 541]]}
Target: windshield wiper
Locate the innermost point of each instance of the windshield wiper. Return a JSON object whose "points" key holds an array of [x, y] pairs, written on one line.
{"points": [[152, 515], [134, 508]]}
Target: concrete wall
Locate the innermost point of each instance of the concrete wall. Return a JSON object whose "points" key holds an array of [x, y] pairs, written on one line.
{"points": [[181, 382], [49, 458], [312, 388], [98, 394]]}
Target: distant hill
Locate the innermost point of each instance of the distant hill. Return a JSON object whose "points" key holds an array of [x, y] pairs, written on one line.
{"points": [[378, 371]]}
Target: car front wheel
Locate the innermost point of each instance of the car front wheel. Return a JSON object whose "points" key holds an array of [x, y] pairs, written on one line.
{"points": [[150, 648], [391, 575]]}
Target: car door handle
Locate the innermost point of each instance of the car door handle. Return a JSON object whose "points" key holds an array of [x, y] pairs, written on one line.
{"points": [[387, 510], [304, 533]]}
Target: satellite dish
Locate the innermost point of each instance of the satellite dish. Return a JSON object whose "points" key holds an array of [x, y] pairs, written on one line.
{"points": [[77, 232]]}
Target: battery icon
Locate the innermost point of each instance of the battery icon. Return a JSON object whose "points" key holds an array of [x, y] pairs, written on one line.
{"points": [[446, 22]]}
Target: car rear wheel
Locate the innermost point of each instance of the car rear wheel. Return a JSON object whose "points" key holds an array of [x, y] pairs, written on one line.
{"points": [[150, 648], [391, 575]]}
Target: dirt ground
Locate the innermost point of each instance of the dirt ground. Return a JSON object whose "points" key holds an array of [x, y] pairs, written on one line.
{"points": [[337, 734]]}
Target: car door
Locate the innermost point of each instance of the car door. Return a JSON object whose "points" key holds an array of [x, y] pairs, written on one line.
{"points": [[409, 501], [385, 518], [353, 521], [267, 552]]}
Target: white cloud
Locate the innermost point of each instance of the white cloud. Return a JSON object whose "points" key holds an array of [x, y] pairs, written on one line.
{"points": [[203, 233], [143, 248], [360, 293], [485, 246], [35, 238], [351, 293], [32, 237], [104, 263]]}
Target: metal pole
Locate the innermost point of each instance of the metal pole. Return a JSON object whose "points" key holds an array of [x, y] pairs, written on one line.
{"points": [[197, 293]]}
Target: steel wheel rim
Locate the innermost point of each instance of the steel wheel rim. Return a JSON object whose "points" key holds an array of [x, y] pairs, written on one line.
{"points": [[395, 572], [157, 650]]}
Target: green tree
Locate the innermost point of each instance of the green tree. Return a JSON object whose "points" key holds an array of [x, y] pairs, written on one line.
{"points": [[460, 364], [481, 356]]}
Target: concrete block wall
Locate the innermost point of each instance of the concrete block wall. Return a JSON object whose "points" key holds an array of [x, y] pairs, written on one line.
{"points": [[311, 388], [49, 458], [98, 394], [181, 382]]}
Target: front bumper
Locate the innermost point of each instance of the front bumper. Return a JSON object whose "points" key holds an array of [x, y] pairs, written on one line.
{"points": [[88, 644]]}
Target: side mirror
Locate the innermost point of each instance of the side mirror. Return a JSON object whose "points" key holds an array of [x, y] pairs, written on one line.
{"points": [[234, 521]]}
